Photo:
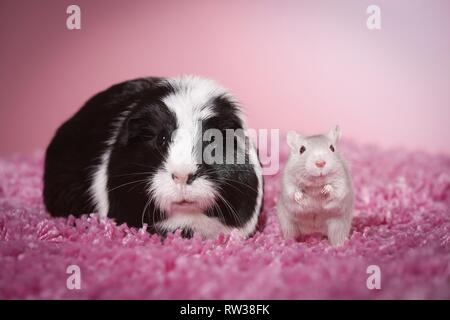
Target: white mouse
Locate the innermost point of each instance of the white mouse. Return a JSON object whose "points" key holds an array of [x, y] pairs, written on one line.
{"points": [[317, 194]]}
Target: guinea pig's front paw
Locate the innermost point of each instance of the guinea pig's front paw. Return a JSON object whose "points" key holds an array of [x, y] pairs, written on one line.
{"points": [[298, 196], [327, 190]]}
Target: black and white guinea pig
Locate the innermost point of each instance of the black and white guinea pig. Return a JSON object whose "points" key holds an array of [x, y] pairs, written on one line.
{"points": [[131, 154]]}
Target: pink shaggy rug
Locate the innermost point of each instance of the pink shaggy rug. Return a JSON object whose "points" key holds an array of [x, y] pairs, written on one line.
{"points": [[402, 225]]}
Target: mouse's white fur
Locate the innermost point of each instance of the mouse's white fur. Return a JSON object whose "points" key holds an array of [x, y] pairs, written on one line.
{"points": [[316, 199]]}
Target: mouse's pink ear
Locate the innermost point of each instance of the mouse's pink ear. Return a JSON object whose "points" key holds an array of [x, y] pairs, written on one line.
{"points": [[293, 140], [334, 134]]}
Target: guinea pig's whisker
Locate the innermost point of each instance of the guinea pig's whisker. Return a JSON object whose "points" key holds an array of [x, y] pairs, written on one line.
{"points": [[233, 169], [243, 184], [144, 211], [233, 211], [150, 199], [154, 211], [216, 208], [219, 211], [226, 171], [141, 165], [229, 180], [128, 183], [227, 183], [131, 174]]}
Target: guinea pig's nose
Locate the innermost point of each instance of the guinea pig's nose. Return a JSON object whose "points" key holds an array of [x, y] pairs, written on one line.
{"points": [[320, 163], [182, 178]]}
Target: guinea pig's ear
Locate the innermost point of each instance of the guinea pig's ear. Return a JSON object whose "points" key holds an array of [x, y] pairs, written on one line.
{"points": [[334, 134], [293, 139], [135, 130]]}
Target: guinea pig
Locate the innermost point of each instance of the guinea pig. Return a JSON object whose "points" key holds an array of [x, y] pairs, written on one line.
{"points": [[317, 194], [134, 153]]}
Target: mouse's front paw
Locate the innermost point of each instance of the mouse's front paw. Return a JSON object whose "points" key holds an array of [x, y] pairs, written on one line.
{"points": [[326, 190], [298, 196], [330, 204]]}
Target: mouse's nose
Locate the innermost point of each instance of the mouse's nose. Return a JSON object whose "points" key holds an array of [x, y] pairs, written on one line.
{"points": [[320, 163], [182, 178]]}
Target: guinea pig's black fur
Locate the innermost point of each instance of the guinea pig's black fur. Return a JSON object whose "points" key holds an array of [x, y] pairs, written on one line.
{"points": [[128, 155]]}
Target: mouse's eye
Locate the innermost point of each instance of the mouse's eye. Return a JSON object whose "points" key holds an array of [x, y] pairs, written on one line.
{"points": [[302, 149], [331, 147]]}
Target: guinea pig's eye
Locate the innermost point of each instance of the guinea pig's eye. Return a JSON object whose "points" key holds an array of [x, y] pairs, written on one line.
{"points": [[302, 149], [331, 147], [138, 132], [163, 139]]}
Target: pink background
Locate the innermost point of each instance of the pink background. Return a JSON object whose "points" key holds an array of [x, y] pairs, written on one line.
{"points": [[292, 64]]}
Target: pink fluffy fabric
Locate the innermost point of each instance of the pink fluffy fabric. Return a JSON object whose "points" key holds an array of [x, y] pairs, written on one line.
{"points": [[401, 224]]}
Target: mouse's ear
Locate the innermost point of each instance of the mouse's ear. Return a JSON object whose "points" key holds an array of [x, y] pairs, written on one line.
{"points": [[293, 139], [334, 134]]}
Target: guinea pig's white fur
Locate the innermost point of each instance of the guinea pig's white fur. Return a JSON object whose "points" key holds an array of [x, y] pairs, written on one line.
{"points": [[317, 194]]}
